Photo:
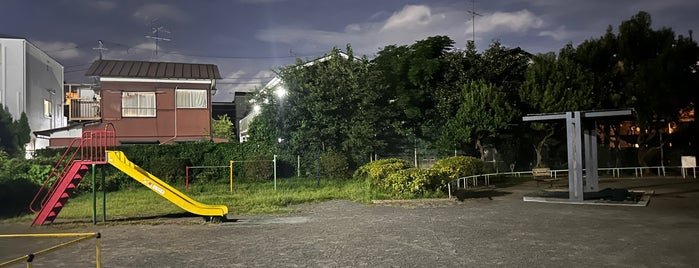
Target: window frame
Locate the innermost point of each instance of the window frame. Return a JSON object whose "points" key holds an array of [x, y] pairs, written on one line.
{"points": [[138, 107], [191, 99], [48, 107]]}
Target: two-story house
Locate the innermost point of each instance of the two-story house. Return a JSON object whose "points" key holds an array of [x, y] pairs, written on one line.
{"points": [[147, 102], [31, 82]]}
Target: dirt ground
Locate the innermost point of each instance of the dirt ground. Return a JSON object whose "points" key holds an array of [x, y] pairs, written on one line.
{"points": [[491, 230]]}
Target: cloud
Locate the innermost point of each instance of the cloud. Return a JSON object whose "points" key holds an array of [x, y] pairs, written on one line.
{"points": [[519, 21], [408, 18], [557, 34], [237, 81], [151, 12], [59, 50], [102, 6], [259, 1], [405, 26]]}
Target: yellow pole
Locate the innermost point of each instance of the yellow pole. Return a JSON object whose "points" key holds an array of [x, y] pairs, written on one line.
{"points": [[98, 251], [231, 175]]}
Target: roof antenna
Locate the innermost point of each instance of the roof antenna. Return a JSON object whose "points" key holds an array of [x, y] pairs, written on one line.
{"points": [[473, 18], [156, 31], [100, 48]]}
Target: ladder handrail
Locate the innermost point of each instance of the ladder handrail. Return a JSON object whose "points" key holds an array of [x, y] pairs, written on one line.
{"points": [[93, 146], [55, 172]]}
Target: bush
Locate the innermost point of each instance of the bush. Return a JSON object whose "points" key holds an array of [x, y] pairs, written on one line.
{"points": [[15, 196], [334, 165], [259, 168], [168, 168], [413, 181], [379, 170], [461, 166]]}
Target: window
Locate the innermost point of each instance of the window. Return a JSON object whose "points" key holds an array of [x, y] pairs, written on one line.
{"points": [[47, 108], [191, 98], [138, 104]]}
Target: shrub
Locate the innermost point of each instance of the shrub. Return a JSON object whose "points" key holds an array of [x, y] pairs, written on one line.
{"points": [[259, 168], [168, 168], [15, 195], [461, 166], [379, 170], [334, 165], [413, 181]]}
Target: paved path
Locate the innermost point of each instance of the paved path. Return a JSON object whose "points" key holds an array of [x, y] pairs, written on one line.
{"points": [[500, 231]]}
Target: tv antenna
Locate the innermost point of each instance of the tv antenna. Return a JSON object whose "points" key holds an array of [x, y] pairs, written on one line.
{"points": [[100, 47], [473, 18], [156, 36]]}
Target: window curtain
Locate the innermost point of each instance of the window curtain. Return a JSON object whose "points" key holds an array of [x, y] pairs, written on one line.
{"points": [[138, 104], [191, 98]]}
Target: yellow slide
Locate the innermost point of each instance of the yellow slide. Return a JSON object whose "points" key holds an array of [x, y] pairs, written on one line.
{"points": [[119, 160]]}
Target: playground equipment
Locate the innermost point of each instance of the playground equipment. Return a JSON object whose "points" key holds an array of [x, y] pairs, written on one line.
{"points": [[94, 148], [29, 258], [230, 171]]}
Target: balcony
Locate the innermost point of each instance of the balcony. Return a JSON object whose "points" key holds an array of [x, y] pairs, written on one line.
{"points": [[83, 110]]}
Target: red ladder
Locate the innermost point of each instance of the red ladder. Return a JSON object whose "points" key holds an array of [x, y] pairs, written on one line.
{"points": [[68, 172]]}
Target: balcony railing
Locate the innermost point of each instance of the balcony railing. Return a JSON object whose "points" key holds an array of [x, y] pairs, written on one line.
{"points": [[81, 110]]}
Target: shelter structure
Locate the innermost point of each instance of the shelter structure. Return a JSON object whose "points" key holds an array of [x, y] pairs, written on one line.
{"points": [[581, 139]]}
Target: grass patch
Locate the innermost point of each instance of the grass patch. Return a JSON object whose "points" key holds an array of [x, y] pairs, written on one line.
{"points": [[247, 198]]}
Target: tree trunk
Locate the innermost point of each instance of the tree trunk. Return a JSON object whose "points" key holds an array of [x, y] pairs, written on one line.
{"points": [[540, 146], [479, 146]]}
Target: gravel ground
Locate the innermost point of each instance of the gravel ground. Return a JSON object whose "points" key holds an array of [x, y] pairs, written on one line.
{"points": [[497, 230]]}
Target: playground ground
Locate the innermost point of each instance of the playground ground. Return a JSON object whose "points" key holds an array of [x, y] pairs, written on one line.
{"points": [[494, 229]]}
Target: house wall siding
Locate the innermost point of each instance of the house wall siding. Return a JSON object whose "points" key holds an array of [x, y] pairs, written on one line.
{"points": [[186, 124], [28, 76]]}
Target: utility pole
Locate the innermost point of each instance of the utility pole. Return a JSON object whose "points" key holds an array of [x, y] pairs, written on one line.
{"points": [[100, 48], [156, 31], [473, 19]]}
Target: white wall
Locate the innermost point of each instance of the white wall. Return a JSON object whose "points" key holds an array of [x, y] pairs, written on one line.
{"points": [[28, 76], [12, 76]]}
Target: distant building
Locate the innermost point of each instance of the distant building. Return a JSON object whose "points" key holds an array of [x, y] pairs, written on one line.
{"points": [[145, 102], [31, 82], [276, 86]]}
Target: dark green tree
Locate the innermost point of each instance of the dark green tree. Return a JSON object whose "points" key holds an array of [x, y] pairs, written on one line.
{"points": [[555, 84], [13, 134], [412, 76], [222, 127], [484, 112], [330, 106]]}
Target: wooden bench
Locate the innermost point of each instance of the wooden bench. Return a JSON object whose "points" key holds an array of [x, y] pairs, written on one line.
{"points": [[543, 175]]}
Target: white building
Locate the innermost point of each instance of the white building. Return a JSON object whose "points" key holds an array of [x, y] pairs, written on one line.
{"points": [[31, 82]]}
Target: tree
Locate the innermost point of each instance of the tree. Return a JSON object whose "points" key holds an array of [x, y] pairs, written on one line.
{"points": [[652, 71], [483, 112], [330, 106], [555, 84], [222, 127], [13, 134], [412, 76]]}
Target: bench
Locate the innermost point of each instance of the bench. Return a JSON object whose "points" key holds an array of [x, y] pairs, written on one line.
{"points": [[543, 175]]}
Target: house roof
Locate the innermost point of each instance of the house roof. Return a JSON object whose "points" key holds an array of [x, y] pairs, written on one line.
{"points": [[147, 69], [7, 36]]}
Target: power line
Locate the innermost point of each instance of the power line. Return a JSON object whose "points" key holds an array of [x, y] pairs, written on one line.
{"points": [[157, 38], [473, 18]]}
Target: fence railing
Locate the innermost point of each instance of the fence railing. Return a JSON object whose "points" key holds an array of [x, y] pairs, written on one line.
{"points": [[29, 258], [463, 182], [79, 109]]}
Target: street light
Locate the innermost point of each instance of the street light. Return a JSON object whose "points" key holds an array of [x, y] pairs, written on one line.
{"points": [[280, 92]]}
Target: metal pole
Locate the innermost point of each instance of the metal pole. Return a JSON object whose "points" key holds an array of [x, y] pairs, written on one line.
{"points": [[94, 197], [298, 165], [230, 166], [275, 171], [318, 170], [98, 250], [186, 177], [104, 196]]}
